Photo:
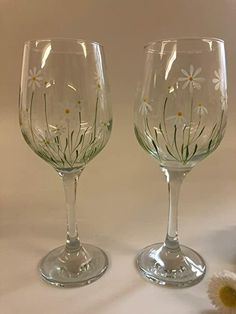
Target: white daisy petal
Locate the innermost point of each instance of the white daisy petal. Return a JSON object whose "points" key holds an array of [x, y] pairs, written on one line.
{"points": [[191, 70], [196, 85], [217, 74], [184, 72], [182, 79], [191, 87], [34, 71], [145, 108], [199, 70], [185, 84], [217, 86], [215, 80], [199, 79]]}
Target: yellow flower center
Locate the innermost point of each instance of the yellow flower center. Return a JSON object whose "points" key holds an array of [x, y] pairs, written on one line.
{"points": [[78, 102], [190, 78], [199, 105], [179, 114], [228, 296], [67, 110], [34, 78]]}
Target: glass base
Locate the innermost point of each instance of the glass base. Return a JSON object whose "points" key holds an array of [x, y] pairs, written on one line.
{"points": [[70, 269], [177, 268]]}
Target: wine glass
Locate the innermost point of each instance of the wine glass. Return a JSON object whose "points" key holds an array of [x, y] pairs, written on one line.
{"points": [[180, 118], [65, 118]]}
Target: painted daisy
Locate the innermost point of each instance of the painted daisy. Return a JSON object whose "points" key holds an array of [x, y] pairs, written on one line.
{"points": [[178, 119], [222, 292], [56, 130], [201, 110], [191, 78], [35, 78], [98, 80], [171, 89], [44, 137], [145, 108], [218, 80], [224, 99]]}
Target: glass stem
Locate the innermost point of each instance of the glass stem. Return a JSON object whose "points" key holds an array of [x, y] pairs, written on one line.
{"points": [[174, 180], [70, 181]]}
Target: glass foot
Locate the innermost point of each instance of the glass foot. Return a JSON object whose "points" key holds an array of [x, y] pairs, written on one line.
{"points": [[70, 269], [177, 268]]}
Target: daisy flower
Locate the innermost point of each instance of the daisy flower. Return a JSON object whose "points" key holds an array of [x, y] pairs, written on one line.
{"points": [[178, 119], [191, 78], [222, 292], [201, 110], [56, 130], [218, 80], [34, 78], [171, 89], [145, 108], [43, 137], [224, 99], [98, 80]]}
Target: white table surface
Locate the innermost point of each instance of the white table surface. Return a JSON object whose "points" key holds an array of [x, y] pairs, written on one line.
{"points": [[122, 202], [122, 195]]}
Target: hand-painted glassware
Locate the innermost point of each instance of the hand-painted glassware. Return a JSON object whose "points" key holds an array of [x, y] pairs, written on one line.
{"points": [[180, 118], [65, 117]]}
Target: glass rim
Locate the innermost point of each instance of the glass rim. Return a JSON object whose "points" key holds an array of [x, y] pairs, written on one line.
{"points": [[61, 39], [172, 39]]}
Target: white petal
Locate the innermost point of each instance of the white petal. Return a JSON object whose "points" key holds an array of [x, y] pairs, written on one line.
{"points": [[183, 79], [191, 70], [185, 84], [199, 79], [199, 70], [217, 74], [215, 80], [34, 71], [38, 73], [191, 87], [196, 85], [217, 86], [33, 85], [184, 72]]}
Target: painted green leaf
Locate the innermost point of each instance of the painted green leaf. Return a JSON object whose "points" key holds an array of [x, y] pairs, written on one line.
{"points": [[170, 152]]}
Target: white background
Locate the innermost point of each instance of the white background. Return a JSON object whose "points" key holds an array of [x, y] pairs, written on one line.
{"points": [[122, 196]]}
